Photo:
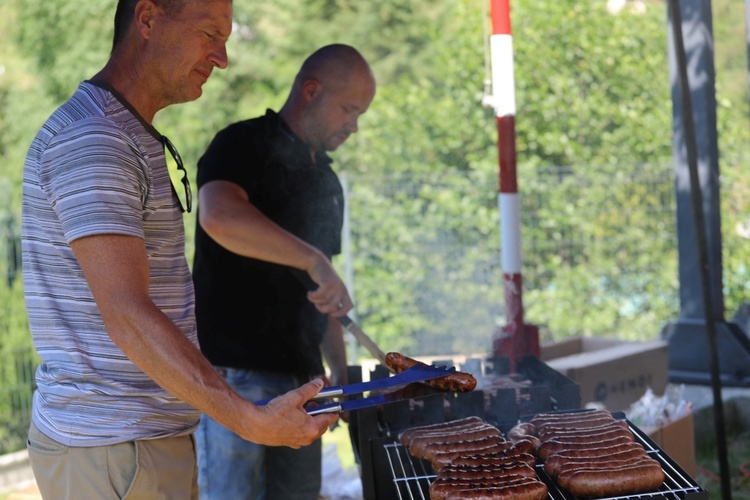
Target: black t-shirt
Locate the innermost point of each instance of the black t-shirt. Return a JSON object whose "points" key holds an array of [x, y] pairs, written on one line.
{"points": [[253, 314]]}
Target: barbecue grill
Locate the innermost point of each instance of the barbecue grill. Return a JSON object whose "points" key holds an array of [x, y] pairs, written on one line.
{"points": [[534, 387], [389, 472]]}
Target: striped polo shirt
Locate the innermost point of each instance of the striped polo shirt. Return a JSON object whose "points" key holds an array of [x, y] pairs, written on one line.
{"points": [[96, 167]]}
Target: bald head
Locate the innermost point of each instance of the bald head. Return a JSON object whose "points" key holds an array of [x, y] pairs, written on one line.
{"points": [[333, 65], [334, 86]]}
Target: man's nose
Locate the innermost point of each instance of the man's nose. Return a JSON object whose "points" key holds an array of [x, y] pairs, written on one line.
{"points": [[352, 126], [219, 56]]}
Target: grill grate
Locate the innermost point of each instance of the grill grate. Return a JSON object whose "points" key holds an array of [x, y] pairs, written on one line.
{"points": [[412, 477]]}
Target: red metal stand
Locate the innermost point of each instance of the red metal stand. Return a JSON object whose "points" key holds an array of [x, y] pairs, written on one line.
{"points": [[516, 338]]}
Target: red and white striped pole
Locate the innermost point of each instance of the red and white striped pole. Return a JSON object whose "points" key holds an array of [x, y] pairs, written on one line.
{"points": [[516, 338]]}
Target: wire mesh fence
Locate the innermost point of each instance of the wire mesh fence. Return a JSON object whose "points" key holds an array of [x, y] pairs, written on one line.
{"points": [[598, 247], [423, 255], [17, 357]]}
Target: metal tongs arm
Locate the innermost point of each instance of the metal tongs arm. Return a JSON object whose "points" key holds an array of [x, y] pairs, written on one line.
{"points": [[418, 373]]}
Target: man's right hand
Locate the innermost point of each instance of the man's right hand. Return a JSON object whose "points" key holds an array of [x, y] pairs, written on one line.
{"points": [[284, 421], [331, 297]]}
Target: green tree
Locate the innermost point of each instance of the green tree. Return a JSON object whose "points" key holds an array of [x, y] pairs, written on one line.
{"points": [[593, 100], [605, 105]]}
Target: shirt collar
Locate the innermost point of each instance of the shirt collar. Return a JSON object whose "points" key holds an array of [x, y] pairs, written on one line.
{"points": [[300, 146], [109, 88]]}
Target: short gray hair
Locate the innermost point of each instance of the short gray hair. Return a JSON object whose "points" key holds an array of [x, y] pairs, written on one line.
{"points": [[126, 10]]}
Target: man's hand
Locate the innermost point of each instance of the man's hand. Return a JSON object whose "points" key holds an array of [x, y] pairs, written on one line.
{"points": [[284, 421], [331, 297]]}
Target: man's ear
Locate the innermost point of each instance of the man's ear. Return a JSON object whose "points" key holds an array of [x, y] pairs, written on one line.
{"points": [[145, 15], [311, 88]]}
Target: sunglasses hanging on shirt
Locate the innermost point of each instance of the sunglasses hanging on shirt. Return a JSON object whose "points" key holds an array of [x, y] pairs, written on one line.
{"points": [[177, 173]]}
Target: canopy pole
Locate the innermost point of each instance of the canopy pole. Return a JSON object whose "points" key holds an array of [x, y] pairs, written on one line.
{"points": [[516, 338], [702, 247]]}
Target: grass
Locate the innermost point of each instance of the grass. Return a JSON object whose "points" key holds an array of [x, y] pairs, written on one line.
{"points": [[738, 455]]}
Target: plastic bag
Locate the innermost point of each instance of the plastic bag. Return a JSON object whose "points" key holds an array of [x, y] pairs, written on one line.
{"points": [[652, 411], [338, 483]]}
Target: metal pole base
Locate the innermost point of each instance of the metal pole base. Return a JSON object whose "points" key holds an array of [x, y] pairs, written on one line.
{"points": [[513, 343], [688, 352]]}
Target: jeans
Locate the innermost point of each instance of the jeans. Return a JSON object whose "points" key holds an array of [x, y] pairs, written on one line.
{"points": [[231, 468]]}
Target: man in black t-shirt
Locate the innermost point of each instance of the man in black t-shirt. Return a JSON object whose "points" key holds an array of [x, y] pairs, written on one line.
{"points": [[271, 207]]}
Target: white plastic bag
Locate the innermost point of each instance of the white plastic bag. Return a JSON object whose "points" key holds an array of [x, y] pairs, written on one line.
{"points": [[653, 412], [338, 483]]}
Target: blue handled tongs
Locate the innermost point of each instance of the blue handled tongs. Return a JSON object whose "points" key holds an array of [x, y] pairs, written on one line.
{"points": [[418, 373]]}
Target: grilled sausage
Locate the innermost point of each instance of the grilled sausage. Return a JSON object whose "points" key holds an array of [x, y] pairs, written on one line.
{"points": [[414, 437], [443, 486], [588, 437], [455, 382], [566, 472], [524, 434], [596, 451], [554, 463], [481, 471], [461, 434], [581, 416], [416, 433], [528, 444], [452, 434], [551, 447], [508, 457], [429, 447], [492, 479], [522, 430], [534, 490], [574, 424], [430, 451], [616, 482], [484, 446], [407, 434], [547, 432]]}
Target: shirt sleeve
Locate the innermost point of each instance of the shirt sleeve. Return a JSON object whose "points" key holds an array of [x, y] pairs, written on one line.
{"points": [[230, 148], [96, 180]]}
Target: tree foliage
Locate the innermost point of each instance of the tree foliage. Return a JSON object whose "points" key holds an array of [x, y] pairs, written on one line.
{"points": [[593, 141]]}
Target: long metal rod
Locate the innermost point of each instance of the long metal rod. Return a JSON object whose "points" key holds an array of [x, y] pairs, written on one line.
{"points": [[362, 338], [702, 248]]}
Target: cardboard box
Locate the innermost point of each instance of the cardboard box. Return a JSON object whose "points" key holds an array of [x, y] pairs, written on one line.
{"points": [[610, 372], [575, 345], [677, 439]]}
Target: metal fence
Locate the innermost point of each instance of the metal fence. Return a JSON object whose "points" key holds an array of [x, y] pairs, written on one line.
{"points": [[579, 260], [17, 357], [598, 246]]}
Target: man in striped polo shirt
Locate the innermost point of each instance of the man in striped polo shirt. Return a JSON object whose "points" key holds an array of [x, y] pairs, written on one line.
{"points": [[108, 290]]}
